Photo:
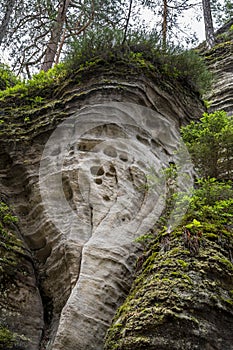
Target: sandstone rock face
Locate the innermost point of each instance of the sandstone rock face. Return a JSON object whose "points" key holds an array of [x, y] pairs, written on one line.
{"points": [[181, 299], [21, 312], [79, 179], [220, 62], [103, 161]]}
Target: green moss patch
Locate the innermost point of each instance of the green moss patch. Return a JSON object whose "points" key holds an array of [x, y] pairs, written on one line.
{"points": [[184, 273]]}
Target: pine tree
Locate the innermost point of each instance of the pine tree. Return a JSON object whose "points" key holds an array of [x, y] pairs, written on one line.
{"points": [[36, 32], [209, 28], [10, 4]]}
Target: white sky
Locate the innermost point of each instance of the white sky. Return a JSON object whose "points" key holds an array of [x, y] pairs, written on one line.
{"points": [[189, 18], [197, 26]]}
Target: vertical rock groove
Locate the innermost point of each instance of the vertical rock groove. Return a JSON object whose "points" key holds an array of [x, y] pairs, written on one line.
{"points": [[97, 144]]}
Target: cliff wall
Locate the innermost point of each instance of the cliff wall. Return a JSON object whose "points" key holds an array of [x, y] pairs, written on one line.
{"points": [[75, 171]]}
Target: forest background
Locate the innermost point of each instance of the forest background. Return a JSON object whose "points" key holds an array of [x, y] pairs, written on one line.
{"points": [[36, 34]]}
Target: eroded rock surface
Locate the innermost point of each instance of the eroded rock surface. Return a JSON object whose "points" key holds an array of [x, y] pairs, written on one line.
{"points": [[181, 298], [104, 160], [77, 178], [220, 62], [21, 311]]}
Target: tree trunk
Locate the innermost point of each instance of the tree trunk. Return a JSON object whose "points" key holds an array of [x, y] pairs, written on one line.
{"points": [[5, 21], [209, 29], [164, 25], [55, 37], [127, 22]]}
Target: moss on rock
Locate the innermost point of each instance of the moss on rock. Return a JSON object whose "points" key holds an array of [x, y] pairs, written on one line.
{"points": [[182, 296], [15, 271]]}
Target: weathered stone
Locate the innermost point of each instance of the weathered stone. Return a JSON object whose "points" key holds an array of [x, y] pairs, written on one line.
{"points": [[220, 62], [77, 176], [182, 298], [21, 313]]}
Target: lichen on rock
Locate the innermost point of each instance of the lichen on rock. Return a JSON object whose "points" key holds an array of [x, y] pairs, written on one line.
{"points": [[181, 297], [87, 141], [18, 289]]}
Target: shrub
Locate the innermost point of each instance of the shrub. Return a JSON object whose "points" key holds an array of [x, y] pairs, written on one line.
{"points": [[174, 63], [33, 91], [190, 67], [210, 143], [7, 78], [212, 201]]}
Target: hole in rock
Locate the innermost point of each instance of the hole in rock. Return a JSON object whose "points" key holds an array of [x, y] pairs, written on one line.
{"points": [[113, 130], [125, 218], [94, 170], [100, 171], [112, 169], [106, 198], [71, 148], [111, 152], [68, 192], [98, 181], [109, 174], [123, 157], [87, 145], [82, 147], [143, 140]]}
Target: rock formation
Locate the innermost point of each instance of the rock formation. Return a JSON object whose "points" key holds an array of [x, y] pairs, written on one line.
{"points": [[75, 171], [21, 311], [182, 298], [220, 62]]}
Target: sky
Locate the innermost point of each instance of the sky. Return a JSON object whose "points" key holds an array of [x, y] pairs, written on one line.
{"points": [[190, 18]]}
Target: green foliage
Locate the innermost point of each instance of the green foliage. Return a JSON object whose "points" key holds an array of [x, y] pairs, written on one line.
{"points": [[145, 239], [34, 91], [189, 67], [7, 78], [11, 340], [195, 223], [210, 209], [212, 202], [5, 214], [7, 220], [107, 46], [207, 104], [144, 49], [91, 45], [141, 50], [210, 143], [7, 338]]}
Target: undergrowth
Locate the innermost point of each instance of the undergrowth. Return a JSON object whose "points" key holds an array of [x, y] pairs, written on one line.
{"points": [[142, 50]]}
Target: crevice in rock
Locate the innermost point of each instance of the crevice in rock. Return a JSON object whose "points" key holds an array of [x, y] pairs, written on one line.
{"points": [[91, 220], [48, 317], [105, 279]]}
